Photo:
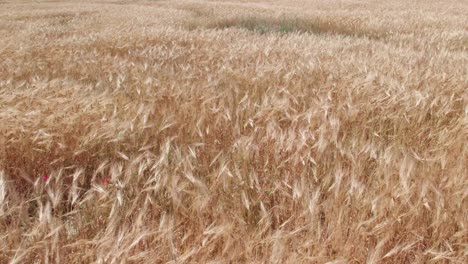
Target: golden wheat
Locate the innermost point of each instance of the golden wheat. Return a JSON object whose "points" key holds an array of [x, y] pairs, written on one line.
{"points": [[233, 131]]}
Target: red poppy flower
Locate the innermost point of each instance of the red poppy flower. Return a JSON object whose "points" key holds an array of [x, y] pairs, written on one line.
{"points": [[106, 180], [46, 177]]}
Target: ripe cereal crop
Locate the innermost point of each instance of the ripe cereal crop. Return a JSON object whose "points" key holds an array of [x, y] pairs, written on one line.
{"points": [[233, 131]]}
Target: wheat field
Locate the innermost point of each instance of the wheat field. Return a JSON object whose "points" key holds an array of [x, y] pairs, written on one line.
{"points": [[234, 131]]}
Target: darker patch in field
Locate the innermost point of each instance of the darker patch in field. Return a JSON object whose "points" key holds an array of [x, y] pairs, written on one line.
{"points": [[266, 25], [203, 18], [206, 18], [261, 26]]}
